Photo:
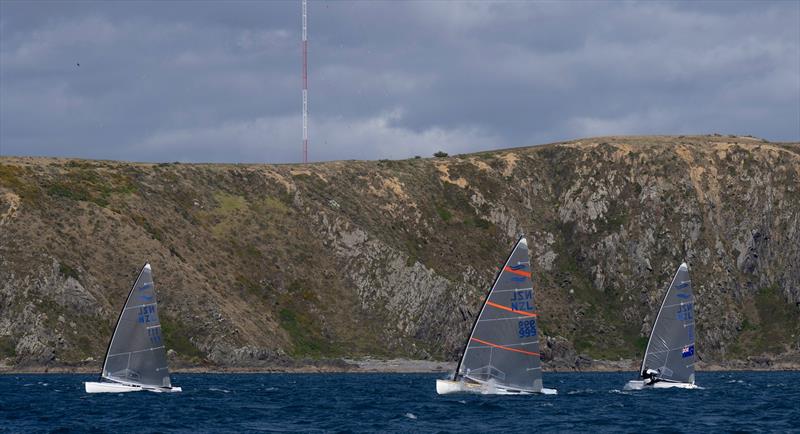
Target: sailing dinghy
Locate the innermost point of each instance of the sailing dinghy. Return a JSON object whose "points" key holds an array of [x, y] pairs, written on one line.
{"points": [[669, 357], [502, 353], [136, 358]]}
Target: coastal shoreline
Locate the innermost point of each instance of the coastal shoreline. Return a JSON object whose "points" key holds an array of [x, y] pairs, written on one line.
{"points": [[390, 366]]}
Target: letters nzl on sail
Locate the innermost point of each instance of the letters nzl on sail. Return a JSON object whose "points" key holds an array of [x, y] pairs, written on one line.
{"points": [[522, 300]]}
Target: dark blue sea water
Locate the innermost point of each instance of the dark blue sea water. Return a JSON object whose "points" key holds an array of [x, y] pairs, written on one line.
{"points": [[731, 401]]}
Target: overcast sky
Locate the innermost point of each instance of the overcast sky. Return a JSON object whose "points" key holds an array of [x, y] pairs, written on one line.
{"points": [[220, 81]]}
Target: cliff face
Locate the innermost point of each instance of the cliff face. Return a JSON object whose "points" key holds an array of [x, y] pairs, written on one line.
{"points": [[261, 264]]}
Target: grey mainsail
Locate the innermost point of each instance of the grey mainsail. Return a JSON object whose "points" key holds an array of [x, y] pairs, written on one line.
{"points": [[503, 347], [670, 349], [136, 354]]}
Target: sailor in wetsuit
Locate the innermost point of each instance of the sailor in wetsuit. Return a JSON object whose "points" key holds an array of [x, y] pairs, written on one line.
{"points": [[650, 376]]}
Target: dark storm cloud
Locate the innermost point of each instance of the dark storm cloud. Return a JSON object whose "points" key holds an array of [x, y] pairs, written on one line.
{"points": [[202, 81]]}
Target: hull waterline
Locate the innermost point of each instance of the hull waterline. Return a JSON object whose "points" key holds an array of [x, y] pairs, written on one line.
{"points": [[107, 387], [447, 387], [639, 385]]}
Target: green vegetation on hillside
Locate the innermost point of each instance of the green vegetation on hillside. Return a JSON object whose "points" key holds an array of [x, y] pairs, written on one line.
{"points": [[7, 347], [392, 258], [773, 327], [178, 338]]}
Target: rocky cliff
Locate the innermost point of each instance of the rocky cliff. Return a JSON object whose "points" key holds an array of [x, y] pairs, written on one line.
{"points": [[261, 265]]}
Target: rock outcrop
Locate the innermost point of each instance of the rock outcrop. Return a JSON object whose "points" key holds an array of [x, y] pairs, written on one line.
{"points": [[265, 265]]}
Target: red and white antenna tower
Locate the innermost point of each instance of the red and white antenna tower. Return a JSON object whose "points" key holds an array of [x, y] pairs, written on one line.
{"points": [[305, 81]]}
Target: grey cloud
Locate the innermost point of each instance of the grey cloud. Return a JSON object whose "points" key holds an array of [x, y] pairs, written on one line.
{"points": [[203, 81]]}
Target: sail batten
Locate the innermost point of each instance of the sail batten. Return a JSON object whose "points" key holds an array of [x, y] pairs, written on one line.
{"points": [[670, 349], [503, 347], [136, 353]]}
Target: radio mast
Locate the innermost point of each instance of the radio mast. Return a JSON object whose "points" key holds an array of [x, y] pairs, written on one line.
{"points": [[305, 81]]}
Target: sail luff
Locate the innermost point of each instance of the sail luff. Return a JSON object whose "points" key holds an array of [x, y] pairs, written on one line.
{"points": [[119, 318], [483, 306]]}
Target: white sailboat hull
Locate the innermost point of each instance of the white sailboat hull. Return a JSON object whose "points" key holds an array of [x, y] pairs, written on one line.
{"points": [[108, 387], [446, 387], [639, 385]]}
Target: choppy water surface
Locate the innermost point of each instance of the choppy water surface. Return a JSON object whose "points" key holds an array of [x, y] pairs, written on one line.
{"points": [[731, 401]]}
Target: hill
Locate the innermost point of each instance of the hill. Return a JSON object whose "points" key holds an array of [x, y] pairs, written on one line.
{"points": [[268, 265]]}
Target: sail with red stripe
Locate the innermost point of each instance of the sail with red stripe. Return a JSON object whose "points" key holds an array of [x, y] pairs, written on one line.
{"points": [[503, 347]]}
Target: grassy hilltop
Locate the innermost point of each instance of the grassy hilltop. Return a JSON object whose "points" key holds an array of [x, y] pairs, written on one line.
{"points": [[263, 265]]}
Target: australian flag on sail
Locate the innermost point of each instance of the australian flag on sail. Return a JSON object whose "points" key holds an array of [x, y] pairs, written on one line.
{"points": [[688, 351]]}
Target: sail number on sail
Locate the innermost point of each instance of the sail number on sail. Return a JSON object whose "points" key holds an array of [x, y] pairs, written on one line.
{"points": [[521, 300], [154, 333], [684, 312], [146, 313], [527, 328]]}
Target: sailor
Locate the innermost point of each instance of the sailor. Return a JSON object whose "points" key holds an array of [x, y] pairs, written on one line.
{"points": [[650, 376]]}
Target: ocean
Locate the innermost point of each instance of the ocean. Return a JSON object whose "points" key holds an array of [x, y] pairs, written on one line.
{"points": [[586, 402]]}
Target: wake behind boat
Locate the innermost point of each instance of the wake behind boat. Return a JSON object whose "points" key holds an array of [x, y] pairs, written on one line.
{"points": [[136, 358], [669, 358], [502, 354]]}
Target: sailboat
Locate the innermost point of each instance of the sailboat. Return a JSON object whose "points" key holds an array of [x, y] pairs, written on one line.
{"points": [[502, 353], [670, 355], [136, 358]]}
